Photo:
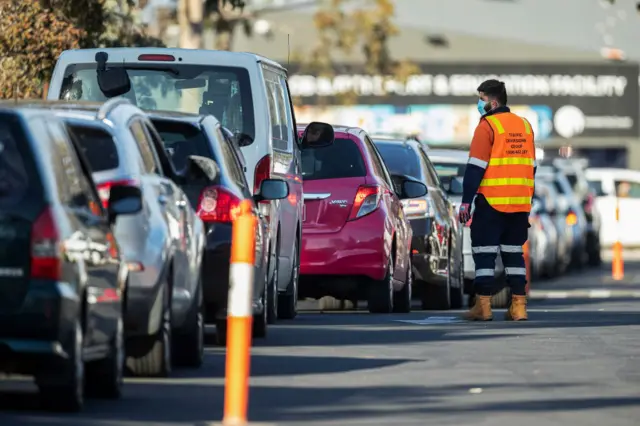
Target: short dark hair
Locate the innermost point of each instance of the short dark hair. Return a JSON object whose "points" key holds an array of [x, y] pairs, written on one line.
{"points": [[494, 89]]}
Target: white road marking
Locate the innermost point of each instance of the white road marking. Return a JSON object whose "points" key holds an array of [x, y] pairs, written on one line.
{"points": [[599, 294], [432, 320]]}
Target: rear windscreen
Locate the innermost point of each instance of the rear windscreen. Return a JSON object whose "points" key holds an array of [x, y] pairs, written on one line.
{"points": [[181, 140], [98, 146], [449, 170], [17, 171], [400, 159], [342, 159]]}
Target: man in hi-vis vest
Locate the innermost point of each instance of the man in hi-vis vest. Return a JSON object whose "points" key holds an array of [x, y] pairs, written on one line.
{"points": [[500, 175]]}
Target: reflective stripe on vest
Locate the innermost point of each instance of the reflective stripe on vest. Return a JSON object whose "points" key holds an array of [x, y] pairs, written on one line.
{"points": [[508, 179]]}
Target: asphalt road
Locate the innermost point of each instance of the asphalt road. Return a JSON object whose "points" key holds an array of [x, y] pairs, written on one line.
{"points": [[576, 362]]}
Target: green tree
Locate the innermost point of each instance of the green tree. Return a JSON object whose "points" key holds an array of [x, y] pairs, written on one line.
{"points": [[367, 29], [31, 39], [225, 16]]}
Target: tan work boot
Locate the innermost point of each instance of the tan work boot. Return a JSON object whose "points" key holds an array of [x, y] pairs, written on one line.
{"points": [[481, 311], [518, 309]]}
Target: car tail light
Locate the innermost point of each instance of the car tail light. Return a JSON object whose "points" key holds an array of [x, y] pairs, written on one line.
{"points": [[468, 222], [156, 57], [262, 172], [418, 207], [46, 251], [104, 189], [367, 201], [217, 204], [572, 219]]}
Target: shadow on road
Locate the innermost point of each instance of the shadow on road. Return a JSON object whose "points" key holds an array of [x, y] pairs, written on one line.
{"points": [[174, 403]]}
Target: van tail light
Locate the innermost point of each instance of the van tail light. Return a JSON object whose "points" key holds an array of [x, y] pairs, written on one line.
{"points": [[46, 250], [217, 204], [572, 218], [104, 189], [262, 172], [418, 208], [367, 201]]}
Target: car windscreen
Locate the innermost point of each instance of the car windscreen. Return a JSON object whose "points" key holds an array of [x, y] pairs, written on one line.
{"points": [[181, 139], [449, 170], [221, 91], [400, 159], [98, 147], [18, 175], [342, 159]]}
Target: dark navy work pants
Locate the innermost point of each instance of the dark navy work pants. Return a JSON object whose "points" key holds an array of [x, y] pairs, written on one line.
{"points": [[493, 231]]}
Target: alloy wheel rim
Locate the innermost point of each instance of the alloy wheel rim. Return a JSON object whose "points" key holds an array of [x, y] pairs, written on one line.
{"points": [[391, 270], [275, 289]]}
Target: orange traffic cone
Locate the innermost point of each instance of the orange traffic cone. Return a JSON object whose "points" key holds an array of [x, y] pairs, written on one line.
{"points": [[617, 265]]}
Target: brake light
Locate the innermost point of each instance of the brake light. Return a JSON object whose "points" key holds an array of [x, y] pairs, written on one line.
{"points": [[469, 222], [217, 204], [46, 251], [262, 172], [367, 201], [104, 189], [156, 57], [418, 207], [572, 219]]}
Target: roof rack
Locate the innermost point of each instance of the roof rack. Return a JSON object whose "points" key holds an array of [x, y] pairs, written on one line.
{"points": [[109, 105]]}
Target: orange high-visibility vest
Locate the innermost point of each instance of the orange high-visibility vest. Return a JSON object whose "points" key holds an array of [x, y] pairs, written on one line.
{"points": [[508, 179]]}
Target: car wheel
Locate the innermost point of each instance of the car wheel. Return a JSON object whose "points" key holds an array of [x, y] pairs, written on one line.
{"points": [[288, 301], [260, 321], [188, 348], [68, 396], [157, 361], [221, 332], [381, 293], [402, 298], [457, 293], [272, 295], [437, 296], [105, 377]]}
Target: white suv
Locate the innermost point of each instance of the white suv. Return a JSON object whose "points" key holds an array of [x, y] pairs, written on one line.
{"points": [[248, 94]]}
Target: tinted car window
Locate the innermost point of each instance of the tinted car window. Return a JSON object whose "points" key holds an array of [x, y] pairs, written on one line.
{"points": [[182, 140], [445, 170], [342, 159], [400, 159], [596, 185], [97, 146], [16, 174]]}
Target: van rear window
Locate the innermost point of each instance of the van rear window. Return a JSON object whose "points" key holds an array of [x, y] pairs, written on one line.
{"points": [[342, 159], [98, 147]]}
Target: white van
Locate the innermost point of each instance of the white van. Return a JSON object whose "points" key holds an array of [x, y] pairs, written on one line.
{"points": [[248, 94], [608, 184]]}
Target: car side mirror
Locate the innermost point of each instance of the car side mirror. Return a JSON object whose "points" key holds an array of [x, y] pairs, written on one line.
{"points": [[111, 81], [456, 187], [124, 200], [272, 189], [408, 187], [201, 169], [317, 135]]}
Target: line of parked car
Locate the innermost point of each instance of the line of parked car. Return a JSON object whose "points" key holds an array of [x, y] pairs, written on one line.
{"points": [[117, 197]]}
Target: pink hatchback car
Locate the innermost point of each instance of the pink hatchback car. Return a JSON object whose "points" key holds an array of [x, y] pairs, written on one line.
{"points": [[356, 240]]}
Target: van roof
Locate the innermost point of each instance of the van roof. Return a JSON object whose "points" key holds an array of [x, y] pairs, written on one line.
{"points": [[200, 56]]}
